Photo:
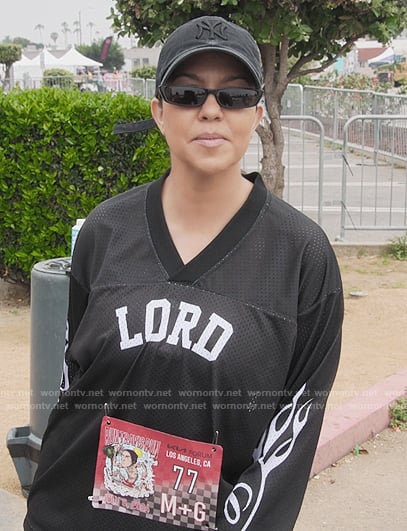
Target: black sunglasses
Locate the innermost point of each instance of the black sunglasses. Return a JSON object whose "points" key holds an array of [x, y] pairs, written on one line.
{"points": [[228, 98]]}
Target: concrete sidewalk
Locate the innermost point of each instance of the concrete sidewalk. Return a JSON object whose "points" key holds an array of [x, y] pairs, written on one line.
{"points": [[350, 424], [357, 420], [12, 510], [364, 491]]}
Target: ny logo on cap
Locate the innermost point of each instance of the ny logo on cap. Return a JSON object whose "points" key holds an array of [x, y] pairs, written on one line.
{"points": [[216, 29]]}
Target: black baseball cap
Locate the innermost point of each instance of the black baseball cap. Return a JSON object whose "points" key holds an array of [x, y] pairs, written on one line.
{"points": [[209, 34], [203, 34]]}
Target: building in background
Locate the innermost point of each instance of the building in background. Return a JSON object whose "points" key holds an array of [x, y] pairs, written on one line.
{"points": [[136, 57]]}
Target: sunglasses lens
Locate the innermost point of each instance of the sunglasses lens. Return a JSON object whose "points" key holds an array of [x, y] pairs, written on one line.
{"points": [[187, 96], [228, 98], [236, 98]]}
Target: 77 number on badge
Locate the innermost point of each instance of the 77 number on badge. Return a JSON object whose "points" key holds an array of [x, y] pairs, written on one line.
{"points": [[169, 503]]}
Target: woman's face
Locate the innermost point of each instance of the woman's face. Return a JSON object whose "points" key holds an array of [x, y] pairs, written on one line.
{"points": [[208, 139], [125, 459]]}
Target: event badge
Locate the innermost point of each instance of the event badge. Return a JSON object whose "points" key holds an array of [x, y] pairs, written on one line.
{"points": [[155, 475]]}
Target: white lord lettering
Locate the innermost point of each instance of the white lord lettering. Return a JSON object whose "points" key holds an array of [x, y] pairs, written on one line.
{"points": [[208, 345]]}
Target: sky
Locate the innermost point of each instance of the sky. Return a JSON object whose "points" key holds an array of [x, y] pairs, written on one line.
{"points": [[20, 17]]}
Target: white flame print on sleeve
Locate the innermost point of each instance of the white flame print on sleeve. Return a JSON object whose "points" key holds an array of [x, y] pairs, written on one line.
{"points": [[269, 461], [64, 386]]}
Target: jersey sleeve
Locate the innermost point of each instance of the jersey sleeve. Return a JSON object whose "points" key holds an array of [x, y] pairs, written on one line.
{"points": [[78, 300], [269, 493]]}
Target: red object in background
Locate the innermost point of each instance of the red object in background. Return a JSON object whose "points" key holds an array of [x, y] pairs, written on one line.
{"points": [[105, 48]]}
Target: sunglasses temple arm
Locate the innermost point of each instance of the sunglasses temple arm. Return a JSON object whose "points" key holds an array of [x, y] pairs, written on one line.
{"points": [[134, 127]]}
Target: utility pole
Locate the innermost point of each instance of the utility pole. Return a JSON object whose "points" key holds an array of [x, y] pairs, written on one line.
{"points": [[80, 28]]}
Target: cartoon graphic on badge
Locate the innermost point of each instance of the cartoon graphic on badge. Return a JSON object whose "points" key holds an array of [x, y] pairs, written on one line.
{"points": [[128, 471]]}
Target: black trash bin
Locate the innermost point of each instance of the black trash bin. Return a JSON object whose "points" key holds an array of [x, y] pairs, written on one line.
{"points": [[49, 305]]}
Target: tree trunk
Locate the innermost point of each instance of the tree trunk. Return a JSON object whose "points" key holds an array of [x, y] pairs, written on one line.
{"points": [[7, 81], [270, 130], [272, 140]]}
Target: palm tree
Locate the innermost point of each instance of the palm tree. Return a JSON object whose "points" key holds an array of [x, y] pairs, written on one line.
{"points": [[90, 25], [78, 30], [40, 27], [65, 31], [54, 37]]}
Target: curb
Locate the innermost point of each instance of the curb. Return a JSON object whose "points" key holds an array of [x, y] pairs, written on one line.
{"points": [[357, 420]]}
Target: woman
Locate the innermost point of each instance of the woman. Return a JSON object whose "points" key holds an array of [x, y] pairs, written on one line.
{"points": [[206, 316]]}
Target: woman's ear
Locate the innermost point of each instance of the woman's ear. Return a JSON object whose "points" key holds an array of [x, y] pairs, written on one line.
{"points": [[157, 113], [258, 116]]}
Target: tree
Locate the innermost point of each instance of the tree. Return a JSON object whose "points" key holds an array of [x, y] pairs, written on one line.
{"points": [[40, 27], [144, 72], [114, 59], [91, 25], [58, 77], [78, 30], [22, 41], [54, 37], [9, 54], [65, 31], [304, 31]]}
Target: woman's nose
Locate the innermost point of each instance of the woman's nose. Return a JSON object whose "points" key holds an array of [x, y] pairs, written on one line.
{"points": [[210, 108]]}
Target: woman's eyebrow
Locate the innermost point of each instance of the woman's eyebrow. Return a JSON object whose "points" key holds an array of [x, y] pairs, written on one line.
{"points": [[196, 77], [185, 74]]}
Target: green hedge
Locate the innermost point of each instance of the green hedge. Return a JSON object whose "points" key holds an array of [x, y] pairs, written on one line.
{"points": [[59, 158], [57, 77]]}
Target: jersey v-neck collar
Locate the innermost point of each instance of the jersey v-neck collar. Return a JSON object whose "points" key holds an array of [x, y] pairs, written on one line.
{"points": [[224, 242]]}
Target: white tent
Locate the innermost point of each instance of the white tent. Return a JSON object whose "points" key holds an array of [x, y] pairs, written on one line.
{"points": [[24, 61], [386, 57], [45, 59], [33, 69], [72, 59], [25, 69]]}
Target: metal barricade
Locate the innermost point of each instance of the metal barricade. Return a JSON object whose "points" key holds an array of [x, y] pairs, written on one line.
{"points": [[303, 159], [374, 175], [334, 106]]}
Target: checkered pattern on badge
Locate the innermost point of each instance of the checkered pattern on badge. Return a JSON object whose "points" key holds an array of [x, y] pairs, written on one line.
{"points": [[205, 494], [99, 495]]}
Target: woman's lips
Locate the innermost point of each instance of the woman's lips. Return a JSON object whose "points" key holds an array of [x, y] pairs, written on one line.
{"points": [[210, 140]]}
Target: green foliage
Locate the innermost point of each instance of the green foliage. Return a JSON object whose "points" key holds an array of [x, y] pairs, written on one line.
{"points": [[398, 414], [59, 158], [57, 77], [347, 81], [398, 248], [354, 82], [22, 41], [115, 55], [9, 53], [313, 30], [144, 72]]}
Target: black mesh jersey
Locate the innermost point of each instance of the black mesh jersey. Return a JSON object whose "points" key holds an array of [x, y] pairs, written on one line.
{"points": [[243, 341]]}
